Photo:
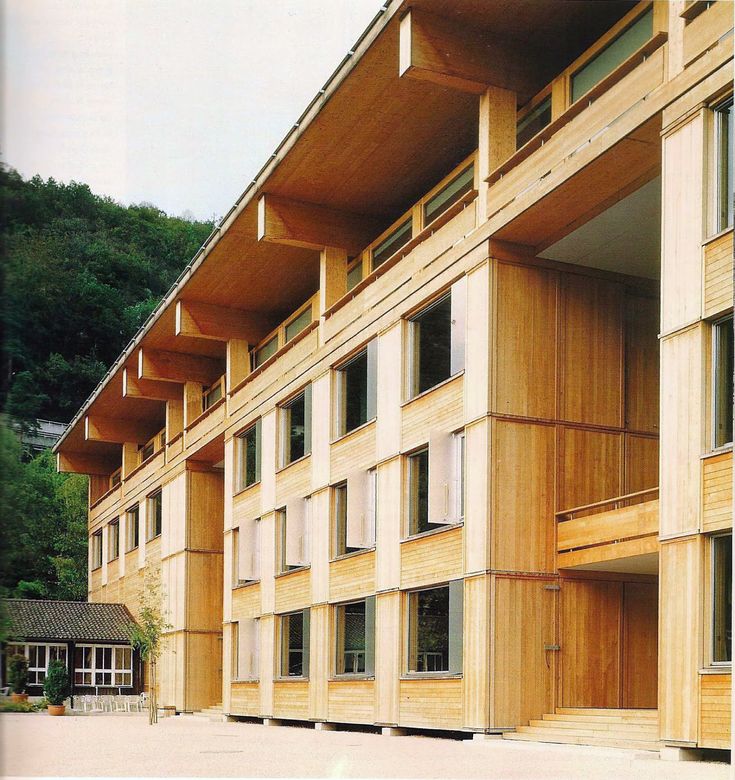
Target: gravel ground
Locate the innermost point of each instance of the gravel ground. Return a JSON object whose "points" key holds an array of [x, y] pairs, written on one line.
{"points": [[112, 745]]}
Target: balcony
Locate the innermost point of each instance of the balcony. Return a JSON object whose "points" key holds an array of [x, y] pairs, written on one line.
{"points": [[618, 534]]}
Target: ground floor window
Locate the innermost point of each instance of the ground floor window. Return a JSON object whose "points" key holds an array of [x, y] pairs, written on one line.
{"points": [[295, 644], [355, 635], [435, 629], [722, 598], [39, 657], [103, 665]]}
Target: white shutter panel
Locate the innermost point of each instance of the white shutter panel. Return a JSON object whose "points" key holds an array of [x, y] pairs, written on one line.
{"points": [[442, 487], [246, 541], [242, 650], [357, 506], [372, 378], [295, 532], [459, 324]]}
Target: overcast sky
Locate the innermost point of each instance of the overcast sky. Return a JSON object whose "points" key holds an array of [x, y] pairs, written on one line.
{"points": [[173, 102]]}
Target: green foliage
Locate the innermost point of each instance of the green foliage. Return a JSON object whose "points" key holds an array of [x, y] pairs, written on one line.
{"points": [[43, 535], [18, 706], [56, 687], [81, 274], [17, 672]]}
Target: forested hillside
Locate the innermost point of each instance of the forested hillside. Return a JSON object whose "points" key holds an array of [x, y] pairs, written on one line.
{"points": [[80, 275]]}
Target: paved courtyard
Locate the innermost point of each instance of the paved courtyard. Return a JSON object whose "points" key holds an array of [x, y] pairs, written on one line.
{"points": [[125, 745]]}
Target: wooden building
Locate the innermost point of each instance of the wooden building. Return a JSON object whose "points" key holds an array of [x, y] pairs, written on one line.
{"points": [[93, 640], [436, 429]]}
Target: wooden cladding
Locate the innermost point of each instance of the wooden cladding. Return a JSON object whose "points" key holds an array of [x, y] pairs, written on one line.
{"points": [[714, 710], [435, 703], [717, 504], [351, 701], [352, 577], [718, 285], [431, 559]]}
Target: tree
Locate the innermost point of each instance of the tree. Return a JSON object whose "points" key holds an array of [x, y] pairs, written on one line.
{"points": [[146, 635]]}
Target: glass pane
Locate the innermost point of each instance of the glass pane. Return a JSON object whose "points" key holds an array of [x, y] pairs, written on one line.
{"points": [[429, 614], [249, 457], [354, 393], [132, 528], [351, 639], [354, 276], [432, 345], [460, 185], [724, 167], [296, 326], [340, 521], [211, 396], [534, 122], [613, 55], [418, 511], [722, 589], [294, 414], [266, 351], [392, 243], [293, 638], [723, 382]]}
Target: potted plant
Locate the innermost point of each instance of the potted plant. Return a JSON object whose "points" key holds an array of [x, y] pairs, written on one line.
{"points": [[56, 687], [18, 677]]}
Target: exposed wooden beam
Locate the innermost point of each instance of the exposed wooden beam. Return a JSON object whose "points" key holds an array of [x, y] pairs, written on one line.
{"points": [[178, 367], [133, 387], [80, 463], [285, 221], [450, 53], [115, 430], [221, 323]]}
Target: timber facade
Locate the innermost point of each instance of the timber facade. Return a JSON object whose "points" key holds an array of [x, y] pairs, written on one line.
{"points": [[436, 430]]}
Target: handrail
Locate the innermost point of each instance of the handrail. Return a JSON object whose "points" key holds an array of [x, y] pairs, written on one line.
{"points": [[613, 503]]}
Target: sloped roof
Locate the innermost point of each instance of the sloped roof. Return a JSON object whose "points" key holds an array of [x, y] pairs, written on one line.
{"points": [[68, 620]]}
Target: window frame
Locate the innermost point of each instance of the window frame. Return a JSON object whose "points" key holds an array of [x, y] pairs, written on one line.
{"points": [[132, 521], [284, 427], [368, 639], [368, 351], [154, 523], [96, 671], [241, 482], [455, 633], [717, 326], [216, 390], [719, 664], [113, 532], [720, 193], [96, 550], [37, 674], [284, 648]]}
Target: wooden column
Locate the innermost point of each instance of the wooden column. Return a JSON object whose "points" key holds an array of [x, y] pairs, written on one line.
{"points": [[174, 418], [497, 138], [332, 280], [238, 362], [130, 459], [192, 402]]}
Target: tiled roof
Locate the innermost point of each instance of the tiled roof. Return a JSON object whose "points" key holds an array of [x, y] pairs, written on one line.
{"points": [[70, 620]]}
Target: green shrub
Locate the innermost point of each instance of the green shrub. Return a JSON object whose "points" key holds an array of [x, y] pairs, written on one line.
{"points": [[17, 672], [18, 706], [56, 686]]}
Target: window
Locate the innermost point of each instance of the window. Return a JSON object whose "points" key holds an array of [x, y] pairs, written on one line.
{"points": [[722, 381], [39, 657], [355, 635], [353, 507], [103, 665], [265, 352], [354, 273], [394, 241], [723, 154], [292, 535], [296, 427], [132, 528], [295, 644], [248, 456], [418, 493], [83, 665], [435, 629], [533, 122], [246, 649], [356, 385], [154, 515], [113, 539], [436, 335], [448, 195], [614, 54], [212, 394], [145, 451], [722, 598], [115, 478], [298, 324], [246, 552], [96, 542]]}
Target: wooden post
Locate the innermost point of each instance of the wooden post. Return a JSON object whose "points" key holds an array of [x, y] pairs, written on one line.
{"points": [[497, 139], [192, 402], [238, 363], [174, 418], [129, 457]]}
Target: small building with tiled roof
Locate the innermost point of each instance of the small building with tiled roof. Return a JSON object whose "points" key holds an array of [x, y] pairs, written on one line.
{"points": [[92, 639]]}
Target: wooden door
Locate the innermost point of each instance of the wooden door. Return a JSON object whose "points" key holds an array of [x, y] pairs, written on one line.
{"points": [[640, 645], [590, 657]]}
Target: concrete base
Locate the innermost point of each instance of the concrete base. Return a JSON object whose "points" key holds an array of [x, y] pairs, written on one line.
{"points": [[669, 753], [271, 722], [321, 726], [486, 737], [392, 731]]}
